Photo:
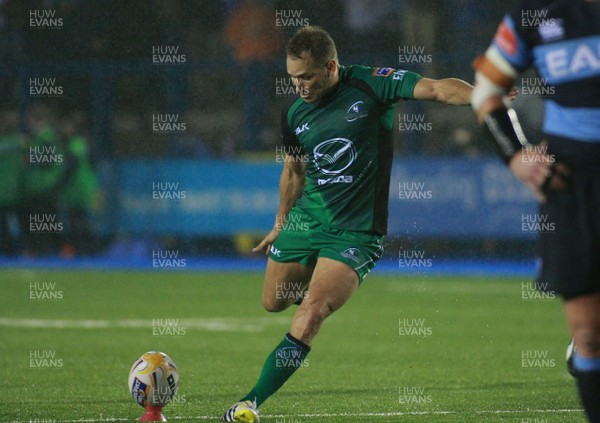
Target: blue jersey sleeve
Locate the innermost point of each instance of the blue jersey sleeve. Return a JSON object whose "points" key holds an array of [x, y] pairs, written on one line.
{"points": [[511, 44]]}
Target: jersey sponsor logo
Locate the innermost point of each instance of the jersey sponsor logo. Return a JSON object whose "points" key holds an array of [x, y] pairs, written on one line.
{"points": [[356, 111], [383, 71], [344, 179], [301, 129], [506, 39], [568, 60], [333, 156], [351, 254]]}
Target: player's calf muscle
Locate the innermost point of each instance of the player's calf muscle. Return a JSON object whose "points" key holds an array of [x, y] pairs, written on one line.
{"points": [[307, 322]]}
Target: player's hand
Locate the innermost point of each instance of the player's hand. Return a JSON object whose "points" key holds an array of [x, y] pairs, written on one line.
{"points": [[266, 243], [539, 171]]}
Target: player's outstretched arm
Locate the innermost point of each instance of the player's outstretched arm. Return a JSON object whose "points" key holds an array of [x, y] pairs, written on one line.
{"points": [[291, 184], [533, 166], [448, 91]]}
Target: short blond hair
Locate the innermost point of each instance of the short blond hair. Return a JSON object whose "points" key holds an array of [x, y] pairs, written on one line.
{"points": [[314, 40]]}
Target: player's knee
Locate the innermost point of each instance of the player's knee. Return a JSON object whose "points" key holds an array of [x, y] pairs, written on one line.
{"points": [[273, 305]]}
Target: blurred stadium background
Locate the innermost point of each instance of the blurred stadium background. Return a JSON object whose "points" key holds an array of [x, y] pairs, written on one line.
{"points": [[128, 128]]}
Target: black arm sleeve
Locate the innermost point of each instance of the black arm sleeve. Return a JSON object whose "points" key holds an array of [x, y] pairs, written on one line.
{"points": [[505, 129]]}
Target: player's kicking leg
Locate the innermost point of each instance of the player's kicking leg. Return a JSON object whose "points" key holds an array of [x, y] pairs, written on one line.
{"points": [[331, 285], [285, 284]]}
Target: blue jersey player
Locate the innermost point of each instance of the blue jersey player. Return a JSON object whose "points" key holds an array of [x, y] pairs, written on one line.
{"points": [[561, 40]]}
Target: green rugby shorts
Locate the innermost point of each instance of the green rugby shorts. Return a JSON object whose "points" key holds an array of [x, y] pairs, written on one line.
{"points": [[303, 240]]}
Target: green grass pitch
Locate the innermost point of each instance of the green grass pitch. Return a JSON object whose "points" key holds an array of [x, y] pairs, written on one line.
{"points": [[404, 349]]}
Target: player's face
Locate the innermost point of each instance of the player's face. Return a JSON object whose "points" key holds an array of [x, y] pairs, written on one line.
{"points": [[312, 80]]}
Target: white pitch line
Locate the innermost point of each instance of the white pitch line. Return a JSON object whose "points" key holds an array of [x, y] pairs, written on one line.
{"points": [[320, 415], [207, 324]]}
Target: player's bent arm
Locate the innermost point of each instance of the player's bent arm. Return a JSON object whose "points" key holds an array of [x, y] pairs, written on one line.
{"points": [[291, 185], [448, 91]]}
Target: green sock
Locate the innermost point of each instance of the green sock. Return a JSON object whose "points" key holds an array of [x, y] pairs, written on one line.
{"points": [[283, 361]]}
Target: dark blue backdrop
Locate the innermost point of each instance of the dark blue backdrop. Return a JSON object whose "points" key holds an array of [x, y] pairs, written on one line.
{"points": [[445, 197]]}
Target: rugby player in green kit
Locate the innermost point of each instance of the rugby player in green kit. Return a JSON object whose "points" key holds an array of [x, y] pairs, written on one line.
{"points": [[334, 188]]}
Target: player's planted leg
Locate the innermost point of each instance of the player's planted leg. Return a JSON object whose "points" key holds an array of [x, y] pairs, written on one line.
{"points": [[242, 411], [332, 284], [280, 365]]}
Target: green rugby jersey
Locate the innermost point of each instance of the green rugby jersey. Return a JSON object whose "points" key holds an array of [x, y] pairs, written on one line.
{"points": [[346, 141]]}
